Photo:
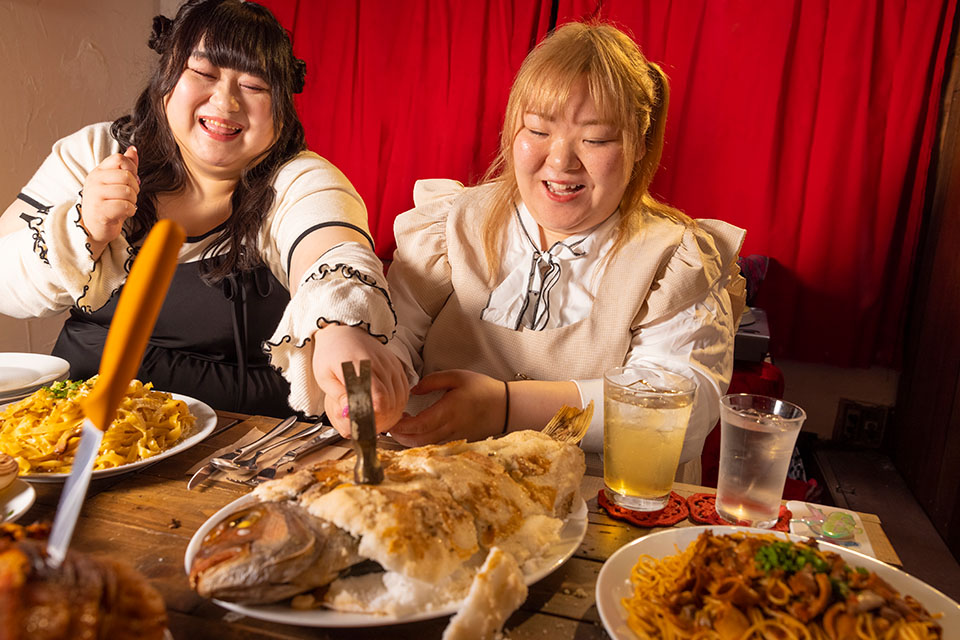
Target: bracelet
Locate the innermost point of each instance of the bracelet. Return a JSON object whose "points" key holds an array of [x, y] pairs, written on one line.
{"points": [[506, 408]]}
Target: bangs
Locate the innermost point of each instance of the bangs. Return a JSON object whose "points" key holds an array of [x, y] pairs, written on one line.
{"points": [[546, 85], [225, 48], [226, 34], [549, 99]]}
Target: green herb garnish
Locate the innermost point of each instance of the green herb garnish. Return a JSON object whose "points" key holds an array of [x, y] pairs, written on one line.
{"points": [[789, 558], [64, 388]]}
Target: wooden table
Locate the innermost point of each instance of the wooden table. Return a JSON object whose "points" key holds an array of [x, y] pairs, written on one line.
{"points": [[147, 518]]}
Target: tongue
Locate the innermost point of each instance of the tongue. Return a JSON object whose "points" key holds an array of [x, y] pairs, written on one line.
{"points": [[224, 131]]}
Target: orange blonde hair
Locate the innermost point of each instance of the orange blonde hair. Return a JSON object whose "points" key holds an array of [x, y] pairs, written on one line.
{"points": [[629, 91]]}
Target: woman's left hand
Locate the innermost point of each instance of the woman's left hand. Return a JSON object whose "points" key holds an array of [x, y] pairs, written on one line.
{"points": [[472, 407], [336, 344]]}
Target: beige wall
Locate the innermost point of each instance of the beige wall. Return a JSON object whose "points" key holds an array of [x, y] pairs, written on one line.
{"points": [[66, 64], [819, 388]]}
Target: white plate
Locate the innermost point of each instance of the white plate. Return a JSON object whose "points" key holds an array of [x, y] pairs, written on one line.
{"points": [[17, 397], [571, 535], [204, 426], [23, 373], [15, 500], [613, 583]]}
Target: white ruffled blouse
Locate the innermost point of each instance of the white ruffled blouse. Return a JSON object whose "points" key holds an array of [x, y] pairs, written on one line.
{"points": [[557, 287]]}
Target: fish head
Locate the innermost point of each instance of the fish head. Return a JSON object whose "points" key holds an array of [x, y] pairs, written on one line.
{"points": [[257, 553]]}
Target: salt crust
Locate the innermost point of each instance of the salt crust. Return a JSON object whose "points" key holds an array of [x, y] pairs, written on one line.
{"points": [[393, 594]]}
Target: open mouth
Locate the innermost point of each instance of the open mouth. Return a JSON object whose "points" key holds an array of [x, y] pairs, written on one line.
{"points": [[219, 127], [562, 188]]}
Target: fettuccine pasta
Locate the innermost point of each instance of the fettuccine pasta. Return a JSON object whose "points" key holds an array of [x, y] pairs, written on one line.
{"points": [[42, 431], [744, 586]]}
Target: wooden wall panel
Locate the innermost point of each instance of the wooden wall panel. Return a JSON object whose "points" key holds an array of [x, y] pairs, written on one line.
{"points": [[926, 437]]}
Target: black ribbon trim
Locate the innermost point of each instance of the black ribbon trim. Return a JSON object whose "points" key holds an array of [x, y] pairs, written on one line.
{"points": [[549, 278], [332, 223], [41, 208], [348, 272]]}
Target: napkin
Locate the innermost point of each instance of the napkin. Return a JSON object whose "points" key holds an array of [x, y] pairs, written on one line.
{"points": [[809, 519]]}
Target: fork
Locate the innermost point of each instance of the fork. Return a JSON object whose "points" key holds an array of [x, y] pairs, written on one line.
{"points": [[326, 437], [250, 464], [240, 452], [569, 424]]}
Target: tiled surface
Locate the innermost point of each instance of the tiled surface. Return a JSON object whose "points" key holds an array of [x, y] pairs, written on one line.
{"points": [[867, 481]]}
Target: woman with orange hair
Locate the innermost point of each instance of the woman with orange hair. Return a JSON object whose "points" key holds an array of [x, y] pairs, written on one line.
{"points": [[513, 297]]}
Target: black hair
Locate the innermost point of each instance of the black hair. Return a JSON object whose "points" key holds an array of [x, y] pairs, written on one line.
{"points": [[238, 35]]}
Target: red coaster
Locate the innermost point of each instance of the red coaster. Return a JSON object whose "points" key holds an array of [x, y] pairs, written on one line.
{"points": [[675, 511], [703, 509]]}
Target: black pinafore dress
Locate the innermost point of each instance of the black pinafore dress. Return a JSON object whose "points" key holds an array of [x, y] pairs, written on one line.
{"points": [[206, 343]]}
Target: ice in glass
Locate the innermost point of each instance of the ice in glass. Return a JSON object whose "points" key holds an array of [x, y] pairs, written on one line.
{"points": [[757, 436], [645, 417]]}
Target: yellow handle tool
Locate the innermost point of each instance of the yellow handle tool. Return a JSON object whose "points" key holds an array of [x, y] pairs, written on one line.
{"points": [[132, 324]]}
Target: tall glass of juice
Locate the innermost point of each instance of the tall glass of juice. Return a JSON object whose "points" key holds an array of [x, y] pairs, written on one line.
{"points": [[757, 436], [645, 416]]}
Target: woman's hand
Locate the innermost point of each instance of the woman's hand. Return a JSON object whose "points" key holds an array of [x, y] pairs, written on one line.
{"points": [[472, 407], [336, 344], [109, 198]]}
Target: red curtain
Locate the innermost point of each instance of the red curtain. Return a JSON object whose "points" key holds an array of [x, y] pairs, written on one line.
{"points": [[809, 123], [402, 90]]}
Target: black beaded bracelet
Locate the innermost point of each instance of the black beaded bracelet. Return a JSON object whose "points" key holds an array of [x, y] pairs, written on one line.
{"points": [[506, 409]]}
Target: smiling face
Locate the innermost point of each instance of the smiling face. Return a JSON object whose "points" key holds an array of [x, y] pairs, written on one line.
{"points": [[570, 166], [221, 118]]}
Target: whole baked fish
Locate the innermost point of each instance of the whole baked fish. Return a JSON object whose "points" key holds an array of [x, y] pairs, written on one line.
{"points": [[425, 530]]}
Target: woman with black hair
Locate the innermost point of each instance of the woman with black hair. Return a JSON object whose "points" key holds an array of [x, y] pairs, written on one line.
{"points": [[277, 275]]}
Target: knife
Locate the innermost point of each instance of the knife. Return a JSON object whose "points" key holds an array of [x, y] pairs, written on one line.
{"points": [[329, 435], [363, 428], [137, 310], [204, 472]]}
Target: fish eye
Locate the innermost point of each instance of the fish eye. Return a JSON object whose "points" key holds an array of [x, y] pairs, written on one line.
{"points": [[245, 519]]}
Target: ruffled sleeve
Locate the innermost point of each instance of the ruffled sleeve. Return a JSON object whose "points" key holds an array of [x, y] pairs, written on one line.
{"points": [[344, 286], [48, 263], [419, 275], [706, 258], [729, 241], [689, 319]]}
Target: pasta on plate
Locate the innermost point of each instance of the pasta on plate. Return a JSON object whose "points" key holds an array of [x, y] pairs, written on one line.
{"points": [[744, 586], [42, 431]]}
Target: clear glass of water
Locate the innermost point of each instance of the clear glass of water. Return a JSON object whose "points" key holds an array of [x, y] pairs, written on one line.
{"points": [[645, 417], [757, 436]]}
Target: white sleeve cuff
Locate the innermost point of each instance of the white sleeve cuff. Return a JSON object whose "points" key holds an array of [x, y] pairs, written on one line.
{"points": [[411, 361], [50, 267], [592, 390], [345, 286]]}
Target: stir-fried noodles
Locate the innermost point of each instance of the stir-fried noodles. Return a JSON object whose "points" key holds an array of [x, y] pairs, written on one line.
{"points": [[744, 586]]}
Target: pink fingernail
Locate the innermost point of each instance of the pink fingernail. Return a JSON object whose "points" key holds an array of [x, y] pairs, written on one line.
{"points": [[345, 412]]}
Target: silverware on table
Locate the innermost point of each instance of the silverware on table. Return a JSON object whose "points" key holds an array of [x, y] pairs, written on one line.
{"points": [[250, 465], [204, 472], [327, 436]]}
